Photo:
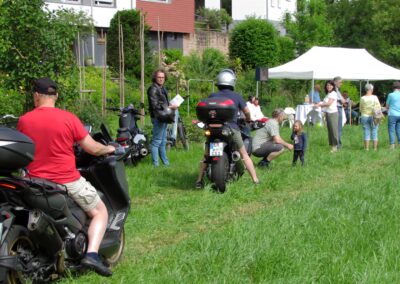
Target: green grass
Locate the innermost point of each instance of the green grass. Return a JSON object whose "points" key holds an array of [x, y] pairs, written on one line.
{"points": [[335, 220]]}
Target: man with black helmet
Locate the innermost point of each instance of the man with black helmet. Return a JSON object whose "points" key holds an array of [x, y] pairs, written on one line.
{"points": [[161, 113], [226, 81], [54, 132]]}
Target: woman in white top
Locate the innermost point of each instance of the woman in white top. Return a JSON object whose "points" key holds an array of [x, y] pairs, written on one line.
{"points": [[254, 108], [332, 116], [368, 104]]}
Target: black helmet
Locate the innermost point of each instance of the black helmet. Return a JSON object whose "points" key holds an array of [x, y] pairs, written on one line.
{"points": [[166, 115]]}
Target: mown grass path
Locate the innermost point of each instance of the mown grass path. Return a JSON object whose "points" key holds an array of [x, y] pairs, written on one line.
{"points": [[333, 221]]}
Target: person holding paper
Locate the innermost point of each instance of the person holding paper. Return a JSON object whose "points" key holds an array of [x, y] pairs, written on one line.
{"points": [[162, 112]]}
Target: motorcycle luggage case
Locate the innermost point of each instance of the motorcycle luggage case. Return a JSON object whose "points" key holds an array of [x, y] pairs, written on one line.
{"points": [[216, 110], [16, 150]]}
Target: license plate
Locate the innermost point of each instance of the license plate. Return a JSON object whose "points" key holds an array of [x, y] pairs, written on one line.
{"points": [[216, 149]]}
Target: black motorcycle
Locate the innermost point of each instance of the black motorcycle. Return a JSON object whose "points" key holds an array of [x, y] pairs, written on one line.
{"points": [[43, 232], [129, 135], [223, 163]]}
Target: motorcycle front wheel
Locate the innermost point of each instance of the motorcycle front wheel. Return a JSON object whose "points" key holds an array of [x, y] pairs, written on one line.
{"points": [[17, 242], [113, 259], [219, 172], [182, 136]]}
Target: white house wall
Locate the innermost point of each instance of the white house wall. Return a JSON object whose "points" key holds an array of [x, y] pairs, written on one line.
{"points": [[212, 4], [273, 10], [101, 15]]}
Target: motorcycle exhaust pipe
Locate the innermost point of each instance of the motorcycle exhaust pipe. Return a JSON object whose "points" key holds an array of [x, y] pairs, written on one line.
{"points": [[144, 152], [42, 231], [235, 156]]}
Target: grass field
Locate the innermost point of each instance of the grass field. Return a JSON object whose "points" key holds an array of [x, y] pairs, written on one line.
{"points": [[335, 220]]}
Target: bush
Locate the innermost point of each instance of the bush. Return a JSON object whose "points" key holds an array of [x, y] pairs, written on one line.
{"points": [[254, 41], [11, 102]]}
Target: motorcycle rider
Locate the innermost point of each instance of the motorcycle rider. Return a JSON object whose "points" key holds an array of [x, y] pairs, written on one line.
{"points": [[54, 132], [226, 80]]}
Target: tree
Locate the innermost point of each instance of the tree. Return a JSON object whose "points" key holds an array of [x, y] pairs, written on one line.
{"points": [[130, 22], [254, 41], [369, 24], [215, 19], [310, 25], [35, 43]]}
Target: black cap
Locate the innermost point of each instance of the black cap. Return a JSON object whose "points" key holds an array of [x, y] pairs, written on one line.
{"points": [[45, 86]]}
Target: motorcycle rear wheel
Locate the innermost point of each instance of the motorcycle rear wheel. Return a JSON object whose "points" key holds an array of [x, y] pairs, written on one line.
{"points": [[113, 259], [219, 172], [17, 241]]}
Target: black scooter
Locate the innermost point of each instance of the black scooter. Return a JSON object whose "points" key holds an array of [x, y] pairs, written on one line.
{"points": [[43, 232], [224, 164], [130, 135]]}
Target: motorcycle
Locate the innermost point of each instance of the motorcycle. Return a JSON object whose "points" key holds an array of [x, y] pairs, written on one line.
{"points": [[224, 164], [43, 232], [130, 135]]}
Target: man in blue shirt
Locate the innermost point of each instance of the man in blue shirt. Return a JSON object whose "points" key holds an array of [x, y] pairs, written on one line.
{"points": [[314, 95], [226, 80]]}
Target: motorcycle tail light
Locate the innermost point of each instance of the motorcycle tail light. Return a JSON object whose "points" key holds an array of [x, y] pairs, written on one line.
{"points": [[8, 185], [121, 139]]}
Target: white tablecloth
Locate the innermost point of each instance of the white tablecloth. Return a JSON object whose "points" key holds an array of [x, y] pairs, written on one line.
{"points": [[314, 114], [304, 111]]}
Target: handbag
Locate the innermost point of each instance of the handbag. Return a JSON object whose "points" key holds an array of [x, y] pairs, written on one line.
{"points": [[377, 115]]}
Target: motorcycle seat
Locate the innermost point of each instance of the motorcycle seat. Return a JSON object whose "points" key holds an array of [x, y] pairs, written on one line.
{"points": [[120, 130], [53, 187]]}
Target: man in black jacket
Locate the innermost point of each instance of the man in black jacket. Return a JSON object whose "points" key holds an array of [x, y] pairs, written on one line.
{"points": [[161, 113]]}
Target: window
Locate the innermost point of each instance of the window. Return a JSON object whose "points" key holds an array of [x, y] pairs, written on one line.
{"points": [[273, 3], [104, 2], [279, 4]]}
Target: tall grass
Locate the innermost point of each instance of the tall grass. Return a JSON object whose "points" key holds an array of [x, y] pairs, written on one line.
{"points": [[332, 221]]}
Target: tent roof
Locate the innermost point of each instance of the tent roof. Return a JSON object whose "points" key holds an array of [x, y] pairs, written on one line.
{"points": [[325, 63]]}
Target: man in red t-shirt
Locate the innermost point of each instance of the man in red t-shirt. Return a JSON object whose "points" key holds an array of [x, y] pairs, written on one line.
{"points": [[54, 132]]}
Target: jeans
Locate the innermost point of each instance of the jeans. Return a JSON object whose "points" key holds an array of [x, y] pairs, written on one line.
{"points": [[369, 128], [158, 142], [394, 125]]}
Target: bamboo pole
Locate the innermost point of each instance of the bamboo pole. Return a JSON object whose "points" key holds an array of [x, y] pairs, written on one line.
{"points": [[159, 42], [120, 61], [123, 67], [142, 67], [104, 90]]}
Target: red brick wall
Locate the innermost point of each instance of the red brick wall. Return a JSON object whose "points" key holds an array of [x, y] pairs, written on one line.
{"points": [[177, 16]]}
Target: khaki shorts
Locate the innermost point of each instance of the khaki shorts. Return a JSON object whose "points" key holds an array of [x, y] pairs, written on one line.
{"points": [[237, 139], [83, 193]]}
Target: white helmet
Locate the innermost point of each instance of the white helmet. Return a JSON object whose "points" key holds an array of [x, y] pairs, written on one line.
{"points": [[226, 78]]}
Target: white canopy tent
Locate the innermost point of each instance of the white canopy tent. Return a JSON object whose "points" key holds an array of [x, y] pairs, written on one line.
{"points": [[325, 63]]}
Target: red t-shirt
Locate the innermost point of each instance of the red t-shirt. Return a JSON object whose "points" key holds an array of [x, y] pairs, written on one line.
{"points": [[54, 132]]}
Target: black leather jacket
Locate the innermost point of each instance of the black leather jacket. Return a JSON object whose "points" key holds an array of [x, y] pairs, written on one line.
{"points": [[158, 99]]}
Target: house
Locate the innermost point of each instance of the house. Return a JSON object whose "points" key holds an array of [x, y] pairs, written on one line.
{"points": [[272, 10], [101, 12], [169, 21]]}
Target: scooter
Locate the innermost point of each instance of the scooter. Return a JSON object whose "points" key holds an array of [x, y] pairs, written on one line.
{"points": [[43, 232], [130, 135], [224, 164]]}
